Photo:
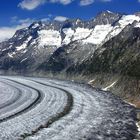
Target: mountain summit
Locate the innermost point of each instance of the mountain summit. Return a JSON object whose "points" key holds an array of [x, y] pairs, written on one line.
{"points": [[57, 45]]}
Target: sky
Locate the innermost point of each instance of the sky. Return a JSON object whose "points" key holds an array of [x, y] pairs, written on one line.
{"points": [[17, 14]]}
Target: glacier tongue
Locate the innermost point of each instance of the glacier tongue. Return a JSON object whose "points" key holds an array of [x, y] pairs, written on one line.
{"points": [[50, 109]]}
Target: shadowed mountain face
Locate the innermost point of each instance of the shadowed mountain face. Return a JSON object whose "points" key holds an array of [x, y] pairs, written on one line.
{"points": [[120, 55]]}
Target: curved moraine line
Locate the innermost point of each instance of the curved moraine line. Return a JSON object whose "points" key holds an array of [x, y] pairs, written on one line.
{"points": [[95, 115], [35, 100], [57, 116], [13, 97], [61, 109], [70, 111]]}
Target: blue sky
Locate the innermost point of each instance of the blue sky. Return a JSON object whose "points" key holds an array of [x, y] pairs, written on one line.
{"points": [[15, 14]]}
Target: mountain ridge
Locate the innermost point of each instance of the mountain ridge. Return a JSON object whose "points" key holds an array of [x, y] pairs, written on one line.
{"points": [[109, 45], [38, 43]]}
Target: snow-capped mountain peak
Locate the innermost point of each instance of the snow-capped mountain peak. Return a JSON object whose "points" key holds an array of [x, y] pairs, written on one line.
{"points": [[41, 39]]}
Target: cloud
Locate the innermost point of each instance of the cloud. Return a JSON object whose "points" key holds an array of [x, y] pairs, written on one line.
{"points": [[105, 0], [31, 4], [64, 2], [60, 18], [89, 2], [86, 2], [45, 19], [8, 32], [14, 19], [26, 21]]}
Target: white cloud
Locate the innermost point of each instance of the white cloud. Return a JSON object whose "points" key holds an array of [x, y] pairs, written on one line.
{"points": [[14, 19], [26, 21], [60, 18], [105, 0], [45, 19], [31, 4], [138, 0], [64, 2], [86, 2], [8, 32], [89, 2]]}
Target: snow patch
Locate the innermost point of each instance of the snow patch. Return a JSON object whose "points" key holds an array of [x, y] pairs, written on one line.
{"points": [[23, 60], [108, 87], [98, 35], [69, 33], [129, 19], [35, 26], [81, 33], [49, 37], [24, 45], [77, 21], [109, 12], [11, 54], [90, 82], [123, 22], [137, 25], [4, 49], [138, 126], [130, 103]]}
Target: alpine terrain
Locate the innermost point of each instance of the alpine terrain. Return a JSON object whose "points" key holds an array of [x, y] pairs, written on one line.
{"points": [[103, 52]]}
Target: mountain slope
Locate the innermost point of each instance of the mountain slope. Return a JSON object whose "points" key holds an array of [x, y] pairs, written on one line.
{"points": [[119, 55], [116, 65], [76, 53]]}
